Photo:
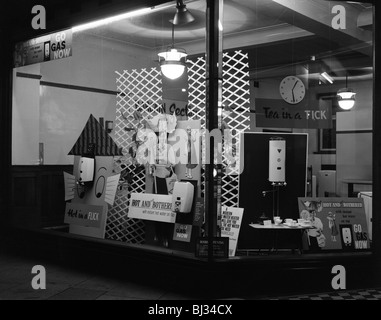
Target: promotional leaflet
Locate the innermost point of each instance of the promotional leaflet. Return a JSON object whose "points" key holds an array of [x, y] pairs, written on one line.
{"points": [[230, 226]]}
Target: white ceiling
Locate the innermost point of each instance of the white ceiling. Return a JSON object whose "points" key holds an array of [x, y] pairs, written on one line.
{"points": [[269, 26], [154, 29]]}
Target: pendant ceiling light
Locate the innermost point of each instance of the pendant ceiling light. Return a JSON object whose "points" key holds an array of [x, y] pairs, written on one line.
{"points": [[172, 61], [346, 97]]}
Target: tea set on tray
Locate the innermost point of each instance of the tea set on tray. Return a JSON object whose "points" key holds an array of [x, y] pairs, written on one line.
{"points": [[292, 223], [287, 222]]}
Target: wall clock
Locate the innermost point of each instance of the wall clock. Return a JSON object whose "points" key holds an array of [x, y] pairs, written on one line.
{"points": [[292, 89]]}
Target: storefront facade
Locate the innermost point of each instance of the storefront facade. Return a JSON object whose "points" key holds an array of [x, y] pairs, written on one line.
{"points": [[110, 155]]}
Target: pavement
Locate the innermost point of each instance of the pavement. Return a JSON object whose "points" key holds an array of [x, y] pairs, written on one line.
{"points": [[68, 283]]}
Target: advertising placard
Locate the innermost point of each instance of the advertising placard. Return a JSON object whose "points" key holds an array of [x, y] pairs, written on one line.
{"points": [[231, 221], [83, 215], [339, 223], [199, 211], [182, 232], [154, 207], [46, 48], [275, 113], [177, 107]]}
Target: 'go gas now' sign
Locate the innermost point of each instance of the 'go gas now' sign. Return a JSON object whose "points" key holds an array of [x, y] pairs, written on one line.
{"points": [[46, 48]]}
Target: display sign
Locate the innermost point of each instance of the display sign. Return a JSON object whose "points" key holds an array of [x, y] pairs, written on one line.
{"points": [[220, 247], [182, 232], [177, 107], [276, 113], [154, 207], [339, 223], [46, 48], [198, 218], [230, 226], [254, 180], [100, 190], [83, 215]]}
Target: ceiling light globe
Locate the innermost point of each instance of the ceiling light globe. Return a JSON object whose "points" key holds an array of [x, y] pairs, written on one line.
{"points": [[172, 70], [346, 98], [346, 104]]}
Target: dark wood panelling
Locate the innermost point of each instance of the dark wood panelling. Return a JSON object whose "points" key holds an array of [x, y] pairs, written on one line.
{"points": [[24, 193], [52, 197], [38, 195]]}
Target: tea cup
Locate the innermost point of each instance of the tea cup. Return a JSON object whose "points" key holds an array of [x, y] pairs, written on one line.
{"points": [[267, 222]]}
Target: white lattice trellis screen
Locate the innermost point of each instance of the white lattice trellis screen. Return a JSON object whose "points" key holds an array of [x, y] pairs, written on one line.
{"points": [[143, 90], [196, 101], [138, 90], [197, 90], [236, 94]]}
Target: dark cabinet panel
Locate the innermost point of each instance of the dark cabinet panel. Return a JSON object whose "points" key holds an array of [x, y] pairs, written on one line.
{"points": [[37, 195]]}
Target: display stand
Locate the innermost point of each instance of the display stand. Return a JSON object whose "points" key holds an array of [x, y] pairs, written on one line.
{"points": [[275, 236], [254, 181]]}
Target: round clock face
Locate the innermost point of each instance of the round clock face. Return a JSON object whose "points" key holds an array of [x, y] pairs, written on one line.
{"points": [[292, 89]]}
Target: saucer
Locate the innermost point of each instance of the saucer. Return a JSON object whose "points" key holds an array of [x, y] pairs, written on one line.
{"points": [[292, 226]]}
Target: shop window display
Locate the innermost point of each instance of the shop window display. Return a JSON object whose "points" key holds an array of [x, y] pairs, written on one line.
{"points": [[280, 76]]}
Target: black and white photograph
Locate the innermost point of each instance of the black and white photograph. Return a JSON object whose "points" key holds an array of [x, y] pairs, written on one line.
{"points": [[190, 156]]}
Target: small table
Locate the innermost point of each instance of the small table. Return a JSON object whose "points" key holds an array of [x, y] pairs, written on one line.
{"points": [[274, 227], [352, 182]]}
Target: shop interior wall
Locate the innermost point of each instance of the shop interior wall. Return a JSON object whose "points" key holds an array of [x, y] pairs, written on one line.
{"points": [[25, 116], [269, 88], [56, 116], [353, 155], [354, 139]]}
